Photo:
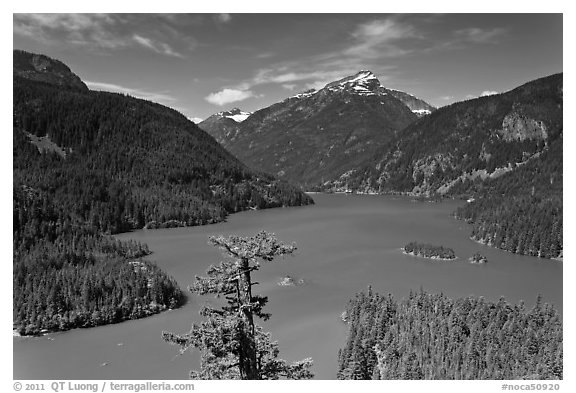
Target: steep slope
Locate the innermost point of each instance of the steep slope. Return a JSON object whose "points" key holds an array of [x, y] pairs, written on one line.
{"points": [[416, 105], [223, 126], [521, 211], [503, 152], [315, 136], [481, 138], [146, 163], [86, 164], [45, 69]]}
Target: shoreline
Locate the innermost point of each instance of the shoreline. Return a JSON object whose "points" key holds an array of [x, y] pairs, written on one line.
{"points": [[482, 242], [422, 256], [45, 332]]}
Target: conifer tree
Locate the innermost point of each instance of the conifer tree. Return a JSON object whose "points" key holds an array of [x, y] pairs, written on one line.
{"points": [[232, 346]]}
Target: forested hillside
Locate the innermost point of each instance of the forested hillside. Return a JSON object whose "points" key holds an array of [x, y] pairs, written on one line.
{"points": [[521, 212], [132, 163], [470, 140], [66, 274], [429, 336], [86, 164]]}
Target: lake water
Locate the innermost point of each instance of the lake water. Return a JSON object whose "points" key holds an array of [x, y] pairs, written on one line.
{"points": [[345, 243]]}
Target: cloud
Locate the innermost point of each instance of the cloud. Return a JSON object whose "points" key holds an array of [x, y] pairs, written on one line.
{"points": [[480, 36], [68, 22], [447, 98], [102, 32], [146, 95], [227, 96], [289, 86], [316, 85], [280, 75], [380, 38], [265, 55], [158, 47], [223, 18], [79, 29]]}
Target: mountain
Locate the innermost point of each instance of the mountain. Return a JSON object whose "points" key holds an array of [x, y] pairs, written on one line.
{"points": [[416, 105], [224, 125], [503, 153], [476, 139], [317, 135], [161, 166], [87, 164], [45, 69]]}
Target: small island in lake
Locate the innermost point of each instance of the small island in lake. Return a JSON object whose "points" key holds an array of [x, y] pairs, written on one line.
{"points": [[478, 258], [429, 251], [290, 281]]}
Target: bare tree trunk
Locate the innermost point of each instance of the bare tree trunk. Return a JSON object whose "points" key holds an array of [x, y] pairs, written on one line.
{"points": [[248, 348]]}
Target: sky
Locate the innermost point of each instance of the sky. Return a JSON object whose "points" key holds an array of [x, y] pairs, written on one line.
{"points": [[200, 64]]}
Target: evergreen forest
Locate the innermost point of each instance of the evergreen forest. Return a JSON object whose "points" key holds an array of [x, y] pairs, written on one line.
{"points": [[430, 336]]}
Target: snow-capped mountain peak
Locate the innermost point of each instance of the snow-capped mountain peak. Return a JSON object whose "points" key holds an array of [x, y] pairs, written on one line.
{"points": [[362, 83], [235, 114]]}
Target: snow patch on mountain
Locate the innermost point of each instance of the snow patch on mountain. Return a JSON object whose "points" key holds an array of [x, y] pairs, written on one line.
{"points": [[363, 83], [235, 114], [240, 117], [195, 120], [305, 94]]}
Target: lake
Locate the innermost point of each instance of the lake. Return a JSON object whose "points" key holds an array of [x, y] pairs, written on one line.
{"points": [[345, 243]]}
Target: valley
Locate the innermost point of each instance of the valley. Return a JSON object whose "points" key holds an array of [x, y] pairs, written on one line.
{"points": [[345, 243], [411, 237]]}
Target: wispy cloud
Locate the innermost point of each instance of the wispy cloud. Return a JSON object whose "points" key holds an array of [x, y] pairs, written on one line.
{"points": [[158, 47], [146, 95], [227, 96], [265, 55], [280, 76], [381, 38], [100, 32], [80, 29], [479, 36]]}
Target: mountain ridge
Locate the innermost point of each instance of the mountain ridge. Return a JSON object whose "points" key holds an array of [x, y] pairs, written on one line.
{"points": [[515, 120], [299, 138], [42, 68]]}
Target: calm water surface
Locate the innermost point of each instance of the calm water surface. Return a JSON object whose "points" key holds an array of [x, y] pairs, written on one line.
{"points": [[345, 243]]}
